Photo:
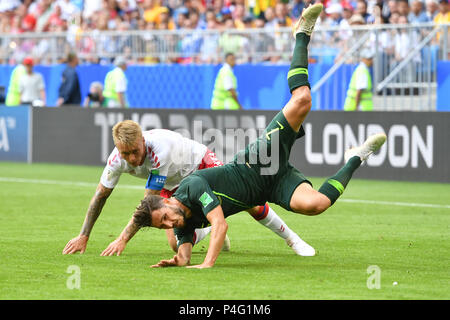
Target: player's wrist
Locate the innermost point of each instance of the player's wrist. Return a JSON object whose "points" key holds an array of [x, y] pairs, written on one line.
{"points": [[83, 237]]}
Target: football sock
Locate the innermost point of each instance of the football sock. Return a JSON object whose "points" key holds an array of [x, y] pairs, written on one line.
{"points": [[335, 186], [272, 221], [298, 72], [200, 234]]}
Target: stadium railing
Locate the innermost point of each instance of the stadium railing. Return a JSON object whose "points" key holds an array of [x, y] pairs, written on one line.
{"points": [[405, 64]]}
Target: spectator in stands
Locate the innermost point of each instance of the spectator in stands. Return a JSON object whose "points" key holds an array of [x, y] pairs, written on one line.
{"points": [[345, 31], [231, 42], [298, 6], [31, 85], [443, 17], [271, 21], [432, 9], [69, 90], [95, 98], [361, 8], [417, 13], [116, 85], [258, 7], [334, 12], [403, 7], [444, 14], [225, 87], [238, 16], [389, 8], [210, 48], [13, 94], [282, 15]]}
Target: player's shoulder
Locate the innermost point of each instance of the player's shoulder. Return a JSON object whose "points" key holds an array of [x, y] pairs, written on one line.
{"points": [[114, 159]]}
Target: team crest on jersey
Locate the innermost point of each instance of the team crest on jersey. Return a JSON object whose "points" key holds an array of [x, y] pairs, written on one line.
{"points": [[205, 199]]}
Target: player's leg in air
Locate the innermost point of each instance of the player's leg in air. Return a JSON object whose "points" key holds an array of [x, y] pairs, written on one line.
{"points": [[305, 199]]}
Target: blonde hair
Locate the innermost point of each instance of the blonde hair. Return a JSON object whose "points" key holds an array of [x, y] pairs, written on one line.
{"points": [[126, 132]]}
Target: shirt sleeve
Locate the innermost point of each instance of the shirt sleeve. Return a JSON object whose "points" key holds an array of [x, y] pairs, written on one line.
{"points": [[361, 81], [111, 174], [184, 236], [155, 181], [121, 85], [228, 83], [41, 84], [200, 194]]}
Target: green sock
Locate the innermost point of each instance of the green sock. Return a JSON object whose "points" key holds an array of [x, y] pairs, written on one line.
{"points": [[335, 186], [298, 72]]}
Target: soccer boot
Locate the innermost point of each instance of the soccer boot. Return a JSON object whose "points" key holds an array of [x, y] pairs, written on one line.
{"points": [[372, 144], [308, 19], [300, 247]]}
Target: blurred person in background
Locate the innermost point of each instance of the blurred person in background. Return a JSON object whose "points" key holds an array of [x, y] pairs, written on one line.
{"points": [[116, 85], [417, 13], [297, 7], [359, 93], [31, 85], [403, 7], [225, 87], [95, 98], [444, 14], [443, 17], [13, 94], [282, 15], [361, 8], [69, 90], [258, 7], [432, 9]]}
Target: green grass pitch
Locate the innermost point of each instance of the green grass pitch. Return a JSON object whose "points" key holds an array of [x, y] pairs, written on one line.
{"points": [[391, 228]]}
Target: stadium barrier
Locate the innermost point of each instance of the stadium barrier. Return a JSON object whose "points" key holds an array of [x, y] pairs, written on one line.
{"points": [[191, 86], [417, 148], [405, 62]]}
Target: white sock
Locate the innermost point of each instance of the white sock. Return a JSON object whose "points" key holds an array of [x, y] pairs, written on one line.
{"points": [[200, 234], [274, 223]]}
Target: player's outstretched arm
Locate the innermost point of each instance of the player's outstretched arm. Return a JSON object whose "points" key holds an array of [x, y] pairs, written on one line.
{"points": [[219, 229], [182, 258], [79, 243], [118, 245]]}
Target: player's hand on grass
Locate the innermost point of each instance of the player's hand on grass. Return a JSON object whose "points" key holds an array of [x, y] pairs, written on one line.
{"points": [[174, 262], [115, 247], [76, 244]]}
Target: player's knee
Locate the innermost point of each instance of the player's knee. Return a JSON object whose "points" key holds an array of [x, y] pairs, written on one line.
{"points": [[302, 99], [310, 207]]}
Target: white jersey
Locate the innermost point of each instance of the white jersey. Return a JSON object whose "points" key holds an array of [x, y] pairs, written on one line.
{"points": [[168, 153]]}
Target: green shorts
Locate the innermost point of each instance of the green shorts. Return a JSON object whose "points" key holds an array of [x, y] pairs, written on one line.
{"points": [[278, 177]]}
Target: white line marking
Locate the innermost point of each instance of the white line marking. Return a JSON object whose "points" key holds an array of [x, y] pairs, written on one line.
{"points": [[125, 186], [64, 183], [403, 204]]}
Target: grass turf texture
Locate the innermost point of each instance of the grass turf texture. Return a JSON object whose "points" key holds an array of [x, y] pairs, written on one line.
{"points": [[410, 245]]}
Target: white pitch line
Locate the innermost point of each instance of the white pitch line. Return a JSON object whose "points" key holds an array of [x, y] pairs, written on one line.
{"points": [[403, 204], [63, 183], [125, 186]]}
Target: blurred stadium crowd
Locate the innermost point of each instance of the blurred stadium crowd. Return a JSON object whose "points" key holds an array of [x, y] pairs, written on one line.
{"points": [[78, 17]]}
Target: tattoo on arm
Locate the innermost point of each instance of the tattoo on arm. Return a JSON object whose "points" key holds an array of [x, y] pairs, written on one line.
{"points": [[95, 208], [129, 231]]}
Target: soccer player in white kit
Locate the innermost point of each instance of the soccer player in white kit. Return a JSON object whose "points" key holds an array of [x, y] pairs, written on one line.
{"points": [[164, 158]]}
